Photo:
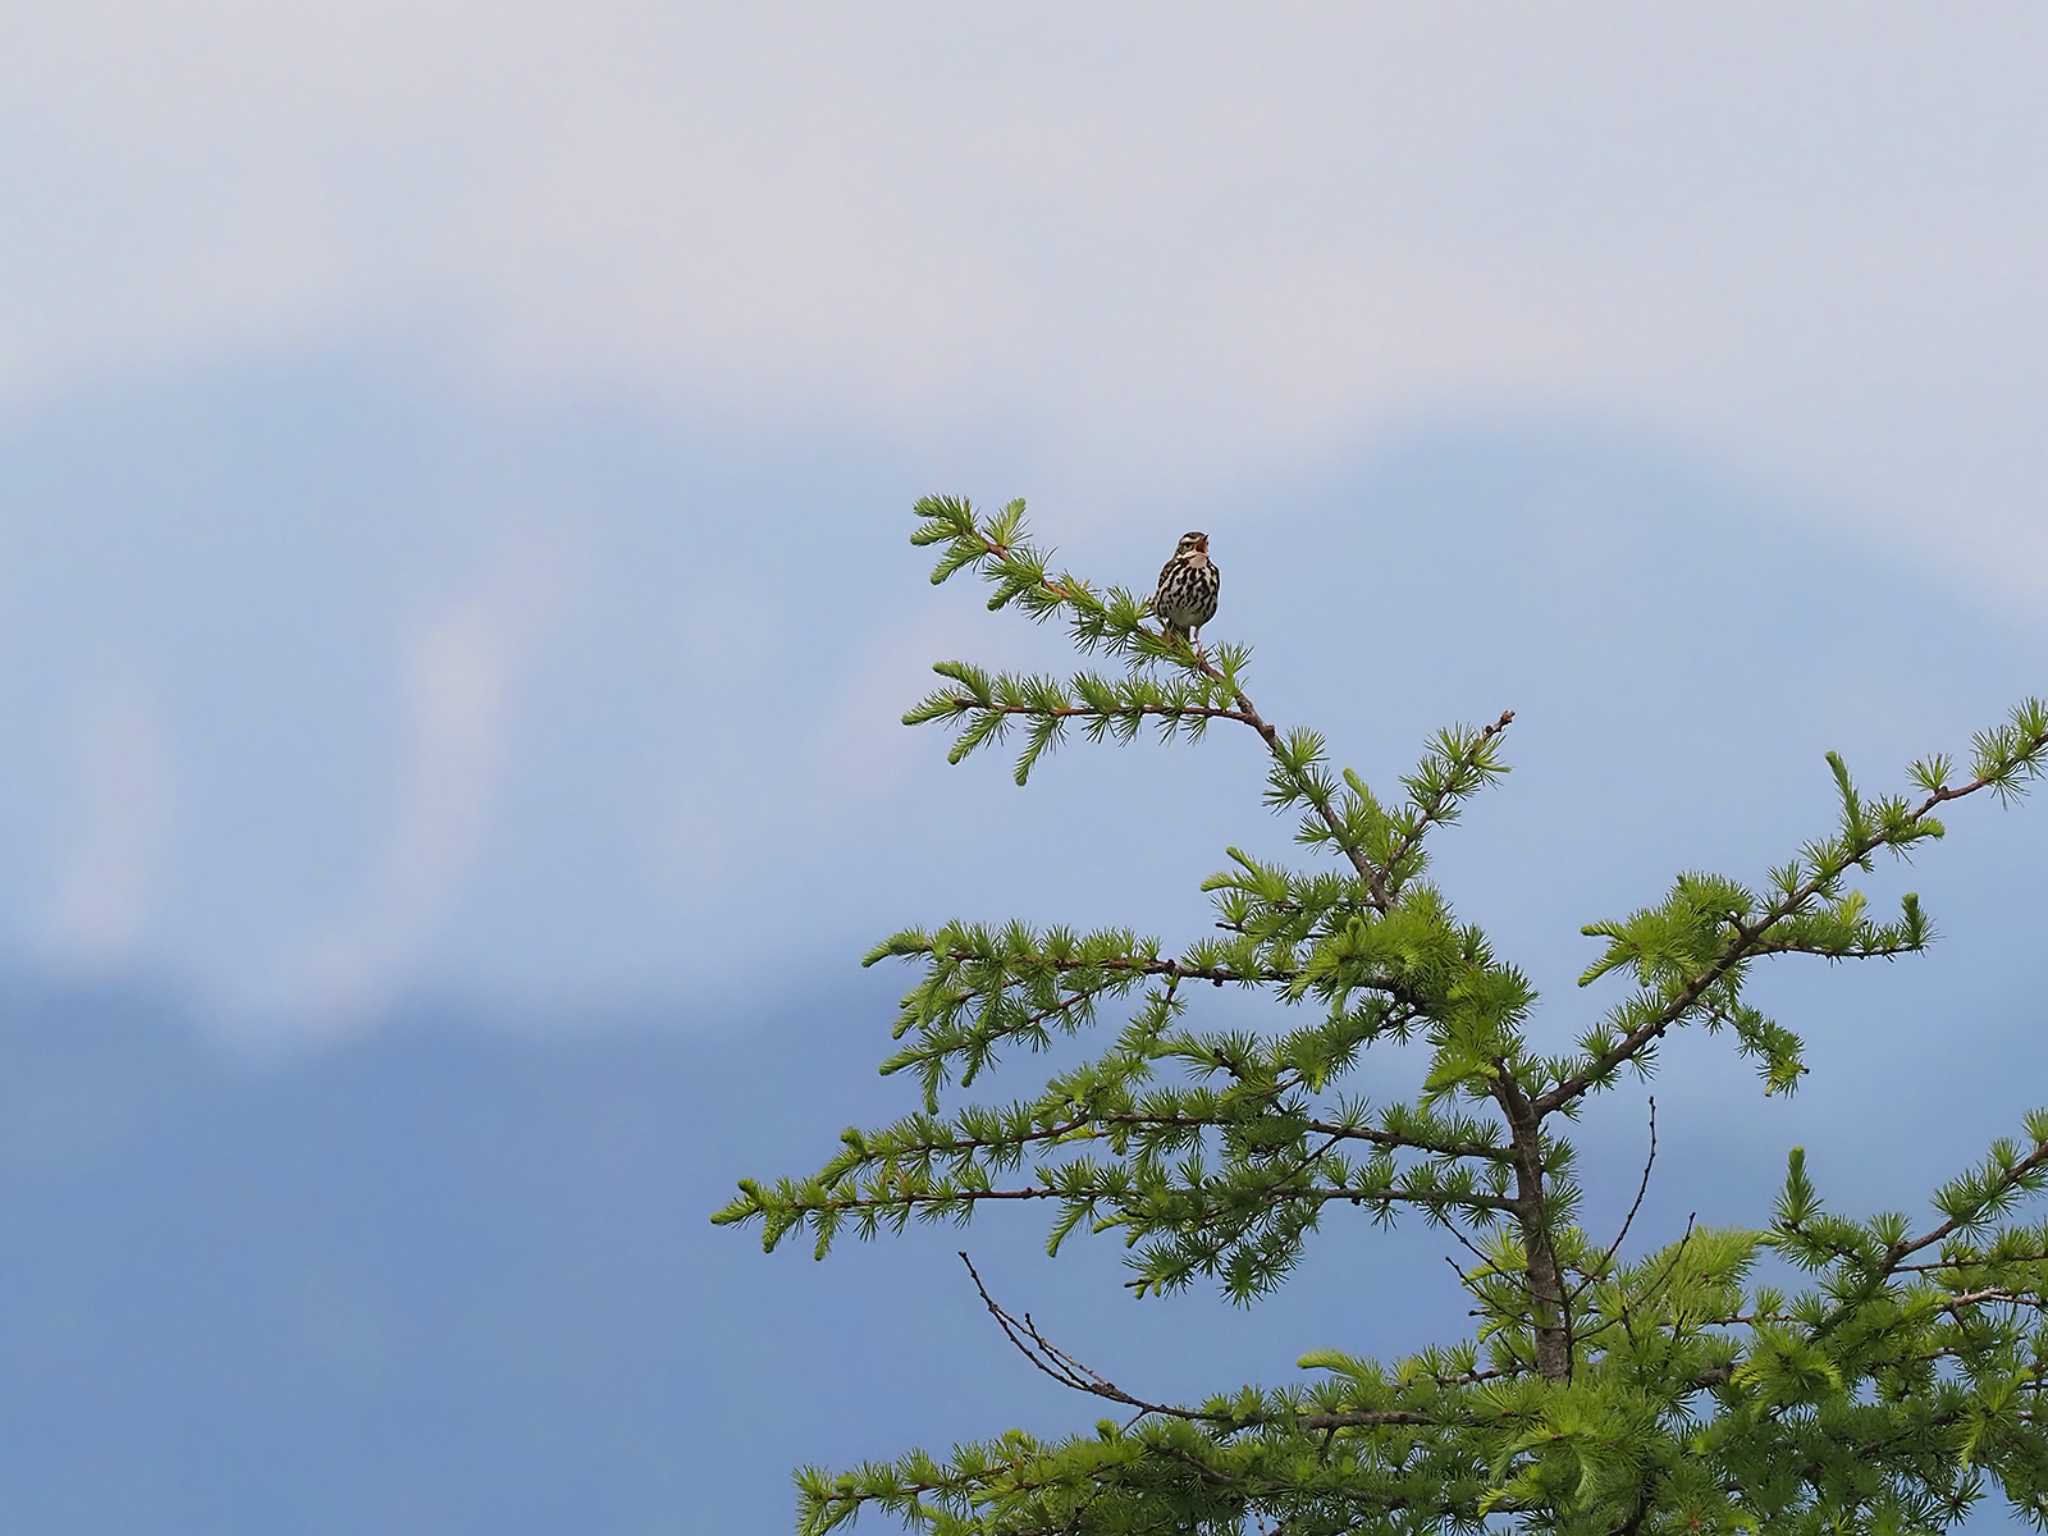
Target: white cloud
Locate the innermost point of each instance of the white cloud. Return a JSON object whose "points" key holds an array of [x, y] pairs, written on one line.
{"points": [[125, 773], [859, 747], [459, 671], [1200, 240]]}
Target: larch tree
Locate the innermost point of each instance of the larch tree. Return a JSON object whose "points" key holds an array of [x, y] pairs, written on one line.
{"points": [[1605, 1389]]}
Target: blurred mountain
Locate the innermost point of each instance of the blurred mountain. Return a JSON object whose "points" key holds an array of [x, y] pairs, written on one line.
{"points": [[433, 1279], [451, 1275]]}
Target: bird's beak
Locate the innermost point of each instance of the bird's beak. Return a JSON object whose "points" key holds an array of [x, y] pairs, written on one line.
{"points": [[1203, 546]]}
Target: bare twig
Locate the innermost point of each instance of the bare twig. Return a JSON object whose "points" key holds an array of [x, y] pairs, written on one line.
{"points": [[1628, 1221], [1055, 1362]]}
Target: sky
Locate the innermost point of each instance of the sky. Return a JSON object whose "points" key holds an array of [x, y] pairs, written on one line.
{"points": [[454, 465]]}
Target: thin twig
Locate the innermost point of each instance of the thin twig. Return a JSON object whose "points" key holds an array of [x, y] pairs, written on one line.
{"points": [[1491, 1267], [1649, 1291], [1049, 1359], [1980, 1262], [1629, 1220]]}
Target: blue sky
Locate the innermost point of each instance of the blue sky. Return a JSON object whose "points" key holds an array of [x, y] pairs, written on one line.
{"points": [[454, 464]]}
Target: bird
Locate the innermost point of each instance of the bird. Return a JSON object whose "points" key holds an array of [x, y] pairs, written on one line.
{"points": [[1188, 583]]}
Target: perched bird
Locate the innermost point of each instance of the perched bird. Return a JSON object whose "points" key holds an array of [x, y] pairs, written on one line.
{"points": [[1186, 599]]}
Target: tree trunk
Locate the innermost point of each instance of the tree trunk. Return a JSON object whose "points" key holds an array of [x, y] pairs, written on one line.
{"points": [[1549, 1309]]}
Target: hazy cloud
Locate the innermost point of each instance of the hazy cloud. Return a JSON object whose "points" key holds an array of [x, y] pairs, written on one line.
{"points": [[1192, 238], [459, 672], [712, 287], [124, 773]]}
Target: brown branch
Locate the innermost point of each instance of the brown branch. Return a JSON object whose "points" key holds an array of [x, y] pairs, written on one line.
{"points": [[1276, 1194], [1968, 1299], [1473, 1377], [1793, 947], [1178, 970], [1550, 1317], [1320, 1193], [966, 704], [1977, 1263], [1055, 1362], [1373, 875], [1087, 994], [1375, 878], [1018, 969], [2013, 1175], [1335, 1131]]}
